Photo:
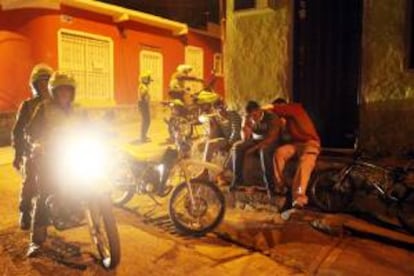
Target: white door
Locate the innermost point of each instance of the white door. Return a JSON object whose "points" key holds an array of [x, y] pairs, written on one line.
{"points": [[89, 58], [152, 61], [194, 56]]}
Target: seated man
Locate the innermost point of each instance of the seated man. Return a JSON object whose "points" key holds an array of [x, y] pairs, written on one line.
{"points": [[260, 135], [304, 142]]}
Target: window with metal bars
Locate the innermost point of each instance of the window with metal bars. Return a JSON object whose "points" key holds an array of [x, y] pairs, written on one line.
{"points": [[89, 58]]}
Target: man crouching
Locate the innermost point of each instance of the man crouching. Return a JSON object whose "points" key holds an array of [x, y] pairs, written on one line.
{"points": [[260, 135]]}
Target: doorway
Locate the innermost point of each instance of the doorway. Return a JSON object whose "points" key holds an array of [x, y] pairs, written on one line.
{"points": [[326, 66], [153, 62]]}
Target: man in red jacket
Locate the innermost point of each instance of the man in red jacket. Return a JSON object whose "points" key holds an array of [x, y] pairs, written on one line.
{"points": [[304, 142]]}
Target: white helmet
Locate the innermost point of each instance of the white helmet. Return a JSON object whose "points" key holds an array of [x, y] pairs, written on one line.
{"points": [[39, 71], [184, 68], [59, 79], [146, 76]]}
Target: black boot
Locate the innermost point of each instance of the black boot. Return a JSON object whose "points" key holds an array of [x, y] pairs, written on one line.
{"points": [[37, 238], [25, 220], [33, 250]]}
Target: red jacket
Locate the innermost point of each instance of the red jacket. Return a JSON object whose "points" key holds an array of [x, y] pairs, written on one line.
{"points": [[299, 124]]}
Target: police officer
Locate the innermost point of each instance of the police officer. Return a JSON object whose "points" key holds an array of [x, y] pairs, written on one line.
{"points": [[178, 80], [49, 116], [144, 105], [38, 85]]}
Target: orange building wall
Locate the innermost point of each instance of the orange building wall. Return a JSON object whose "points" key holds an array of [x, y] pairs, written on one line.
{"points": [[15, 66], [39, 29]]}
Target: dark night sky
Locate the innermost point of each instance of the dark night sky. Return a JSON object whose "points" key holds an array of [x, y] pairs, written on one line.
{"points": [[193, 12]]}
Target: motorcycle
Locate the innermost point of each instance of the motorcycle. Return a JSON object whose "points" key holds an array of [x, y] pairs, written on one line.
{"points": [[186, 110], [74, 165], [195, 207], [253, 192], [382, 194]]}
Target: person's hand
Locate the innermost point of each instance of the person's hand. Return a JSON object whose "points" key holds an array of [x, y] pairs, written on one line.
{"points": [[17, 163]]}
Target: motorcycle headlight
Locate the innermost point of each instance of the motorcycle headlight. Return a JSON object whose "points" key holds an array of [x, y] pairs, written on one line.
{"points": [[83, 158], [203, 119]]}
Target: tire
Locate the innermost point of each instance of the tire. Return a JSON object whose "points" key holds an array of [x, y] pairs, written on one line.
{"points": [[406, 213], [123, 198], [122, 193], [105, 234], [327, 196], [189, 227]]}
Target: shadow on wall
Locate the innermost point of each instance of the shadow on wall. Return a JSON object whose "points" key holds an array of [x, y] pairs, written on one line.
{"points": [[387, 128]]}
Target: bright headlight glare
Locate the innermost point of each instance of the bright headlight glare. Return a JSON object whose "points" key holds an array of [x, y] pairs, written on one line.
{"points": [[84, 158]]}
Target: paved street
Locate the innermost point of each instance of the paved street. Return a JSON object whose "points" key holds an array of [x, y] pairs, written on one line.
{"points": [[249, 242]]}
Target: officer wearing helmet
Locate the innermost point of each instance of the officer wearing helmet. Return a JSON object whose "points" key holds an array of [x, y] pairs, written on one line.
{"points": [[178, 81], [144, 104], [38, 85], [49, 117]]}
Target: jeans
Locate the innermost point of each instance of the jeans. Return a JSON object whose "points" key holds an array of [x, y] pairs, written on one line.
{"points": [[266, 162]]}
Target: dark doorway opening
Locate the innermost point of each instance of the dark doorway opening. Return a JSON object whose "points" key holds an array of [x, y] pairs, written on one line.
{"points": [[326, 70]]}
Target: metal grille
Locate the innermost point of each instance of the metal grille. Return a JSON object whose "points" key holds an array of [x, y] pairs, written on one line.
{"points": [[153, 62], [88, 59]]}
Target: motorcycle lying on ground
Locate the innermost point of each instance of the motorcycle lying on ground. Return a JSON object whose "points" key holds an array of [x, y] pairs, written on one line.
{"points": [[384, 195], [195, 207], [75, 166]]}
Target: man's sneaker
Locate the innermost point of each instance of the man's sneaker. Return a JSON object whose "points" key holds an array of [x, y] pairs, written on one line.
{"points": [[33, 250], [25, 220], [300, 201]]}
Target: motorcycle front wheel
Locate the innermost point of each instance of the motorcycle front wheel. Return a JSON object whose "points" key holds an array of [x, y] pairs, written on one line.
{"points": [[197, 208], [406, 212], [327, 194], [123, 183], [121, 196], [104, 232], [181, 127]]}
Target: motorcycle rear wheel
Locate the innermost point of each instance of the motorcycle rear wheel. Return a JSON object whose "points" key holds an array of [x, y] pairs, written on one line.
{"points": [[105, 234], [327, 195], [201, 215]]}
